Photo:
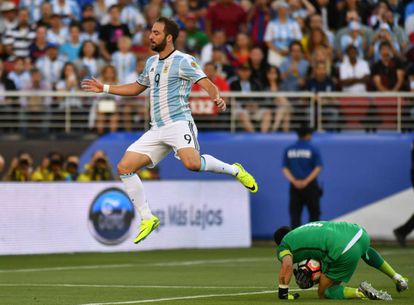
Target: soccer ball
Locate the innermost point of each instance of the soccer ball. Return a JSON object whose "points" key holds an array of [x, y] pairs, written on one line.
{"points": [[313, 266]]}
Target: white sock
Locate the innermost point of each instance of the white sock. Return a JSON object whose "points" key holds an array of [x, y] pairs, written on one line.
{"points": [[211, 164], [135, 190]]}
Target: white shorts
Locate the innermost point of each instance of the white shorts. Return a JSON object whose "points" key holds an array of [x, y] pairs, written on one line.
{"points": [[156, 143]]}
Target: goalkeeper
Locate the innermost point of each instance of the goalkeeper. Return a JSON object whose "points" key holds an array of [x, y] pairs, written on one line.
{"points": [[338, 246]]}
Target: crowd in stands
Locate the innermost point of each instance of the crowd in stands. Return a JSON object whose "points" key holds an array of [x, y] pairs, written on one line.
{"points": [[55, 167], [247, 46]]}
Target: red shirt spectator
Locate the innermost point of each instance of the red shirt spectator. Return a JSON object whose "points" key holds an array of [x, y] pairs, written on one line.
{"points": [[228, 16], [204, 105]]}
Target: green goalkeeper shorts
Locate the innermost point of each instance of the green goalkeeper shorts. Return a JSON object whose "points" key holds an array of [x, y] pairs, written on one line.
{"points": [[344, 267]]}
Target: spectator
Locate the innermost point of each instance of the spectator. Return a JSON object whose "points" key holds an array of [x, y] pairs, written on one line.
{"points": [[283, 108], [89, 30], [152, 12], [124, 60], [9, 16], [258, 64], [218, 41], [6, 84], [384, 34], [280, 33], [241, 49], [228, 16], [35, 109], [143, 50], [317, 38], [378, 15], [248, 108], [354, 72], [46, 13], [21, 36], [301, 9], [396, 30], [38, 47], [69, 81], [100, 10], [321, 81], [388, 72], [89, 64], [19, 75], [365, 31], [106, 107], [2, 165], [315, 22], [69, 51], [33, 7], [67, 10], [180, 43], [302, 163], [196, 39], [110, 33], [20, 169], [87, 11], [354, 37], [327, 10], [71, 167], [181, 12], [363, 8], [57, 33], [294, 68], [131, 16], [257, 19], [204, 105], [221, 63], [50, 65], [98, 169]]}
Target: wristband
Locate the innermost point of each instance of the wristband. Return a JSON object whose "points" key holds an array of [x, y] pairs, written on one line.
{"points": [[106, 88]]}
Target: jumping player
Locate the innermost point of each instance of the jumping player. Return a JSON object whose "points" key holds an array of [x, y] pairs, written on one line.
{"points": [[169, 76], [338, 246]]}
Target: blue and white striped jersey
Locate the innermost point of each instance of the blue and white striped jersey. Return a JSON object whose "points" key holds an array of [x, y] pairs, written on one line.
{"points": [[170, 80]]}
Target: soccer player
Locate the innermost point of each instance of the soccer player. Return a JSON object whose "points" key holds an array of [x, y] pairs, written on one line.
{"points": [[338, 246], [169, 75]]}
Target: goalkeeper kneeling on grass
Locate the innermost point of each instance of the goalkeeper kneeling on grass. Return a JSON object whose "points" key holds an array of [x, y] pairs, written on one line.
{"points": [[338, 246]]}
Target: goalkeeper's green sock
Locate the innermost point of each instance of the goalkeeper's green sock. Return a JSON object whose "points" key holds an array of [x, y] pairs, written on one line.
{"points": [[374, 259], [339, 292]]}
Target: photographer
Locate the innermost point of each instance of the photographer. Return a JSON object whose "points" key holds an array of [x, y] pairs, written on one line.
{"points": [[20, 168], [72, 167], [51, 169], [99, 169]]}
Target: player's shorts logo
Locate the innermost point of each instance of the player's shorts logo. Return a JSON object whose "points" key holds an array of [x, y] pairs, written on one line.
{"points": [[110, 216]]}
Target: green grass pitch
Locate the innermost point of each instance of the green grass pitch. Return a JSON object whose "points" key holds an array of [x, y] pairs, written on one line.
{"points": [[177, 277]]}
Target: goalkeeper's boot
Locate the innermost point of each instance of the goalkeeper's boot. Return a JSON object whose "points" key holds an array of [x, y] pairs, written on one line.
{"points": [[401, 284], [372, 293], [246, 179], [147, 226]]}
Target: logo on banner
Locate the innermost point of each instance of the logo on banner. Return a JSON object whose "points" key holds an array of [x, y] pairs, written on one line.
{"points": [[110, 216]]}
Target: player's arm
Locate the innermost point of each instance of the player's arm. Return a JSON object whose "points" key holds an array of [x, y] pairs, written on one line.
{"points": [[94, 85], [285, 274], [213, 92]]}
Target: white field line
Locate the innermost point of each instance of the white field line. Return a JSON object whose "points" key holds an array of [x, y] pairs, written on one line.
{"points": [[127, 286], [203, 296], [169, 264]]}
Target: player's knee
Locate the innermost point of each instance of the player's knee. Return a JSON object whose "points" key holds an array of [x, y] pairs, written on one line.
{"points": [[124, 169]]}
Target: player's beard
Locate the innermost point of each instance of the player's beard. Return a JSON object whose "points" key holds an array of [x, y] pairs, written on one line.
{"points": [[161, 46]]}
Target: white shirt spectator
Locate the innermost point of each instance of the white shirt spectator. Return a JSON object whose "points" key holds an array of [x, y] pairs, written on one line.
{"points": [[125, 64], [282, 34], [94, 37], [20, 80], [51, 70], [68, 9], [58, 38], [33, 6], [359, 70], [133, 18]]}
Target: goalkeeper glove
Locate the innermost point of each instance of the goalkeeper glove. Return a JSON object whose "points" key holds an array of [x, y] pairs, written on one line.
{"points": [[285, 295], [303, 278]]}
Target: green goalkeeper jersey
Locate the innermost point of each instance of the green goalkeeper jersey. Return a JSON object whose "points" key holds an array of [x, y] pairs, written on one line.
{"points": [[324, 241]]}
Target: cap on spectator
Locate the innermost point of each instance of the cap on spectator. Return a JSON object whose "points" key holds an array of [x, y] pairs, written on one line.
{"points": [[7, 6], [280, 4], [354, 26]]}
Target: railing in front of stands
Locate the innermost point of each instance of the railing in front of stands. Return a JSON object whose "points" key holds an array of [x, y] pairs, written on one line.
{"points": [[29, 112]]}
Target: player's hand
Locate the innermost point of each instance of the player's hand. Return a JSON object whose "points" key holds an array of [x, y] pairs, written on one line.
{"points": [[303, 278], [285, 295], [221, 104], [92, 85]]}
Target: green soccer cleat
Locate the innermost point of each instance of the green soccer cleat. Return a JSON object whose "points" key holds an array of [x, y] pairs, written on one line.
{"points": [[147, 226], [246, 179], [372, 293], [401, 284]]}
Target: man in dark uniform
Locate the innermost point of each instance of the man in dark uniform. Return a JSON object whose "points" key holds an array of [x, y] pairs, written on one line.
{"points": [[302, 163], [403, 231]]}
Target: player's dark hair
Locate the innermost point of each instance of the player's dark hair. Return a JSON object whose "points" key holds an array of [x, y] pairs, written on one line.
{"points": [[303, 131], [170, 27], [280, 233]]}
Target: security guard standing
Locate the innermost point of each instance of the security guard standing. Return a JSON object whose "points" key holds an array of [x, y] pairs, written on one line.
{"points": [[302, 164]]}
